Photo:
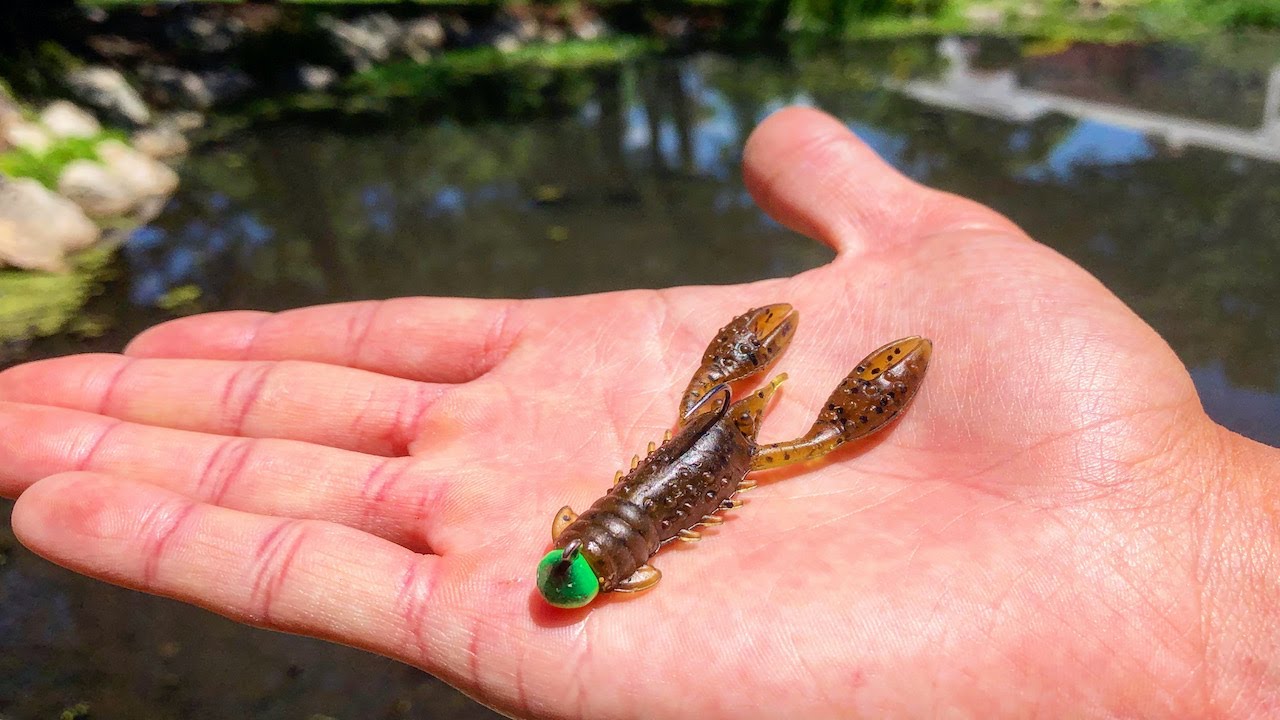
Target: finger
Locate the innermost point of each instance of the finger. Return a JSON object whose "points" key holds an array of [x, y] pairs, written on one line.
{"points": [[400, 499], [324, 404], [299, 576], [445, 340], [812, 174]]}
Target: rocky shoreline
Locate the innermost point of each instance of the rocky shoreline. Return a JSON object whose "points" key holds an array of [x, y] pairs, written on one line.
{"points": [[80, 170], [69, 184]]}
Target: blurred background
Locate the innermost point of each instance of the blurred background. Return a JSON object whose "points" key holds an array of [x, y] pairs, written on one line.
{"points": [[165, 159]]}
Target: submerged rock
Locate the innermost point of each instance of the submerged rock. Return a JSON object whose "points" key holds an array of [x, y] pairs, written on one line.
{"points": [[107, 91], [39, 227], [65, 120]]}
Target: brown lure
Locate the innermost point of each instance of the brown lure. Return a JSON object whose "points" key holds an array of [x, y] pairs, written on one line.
{"points": [[698, 470]]}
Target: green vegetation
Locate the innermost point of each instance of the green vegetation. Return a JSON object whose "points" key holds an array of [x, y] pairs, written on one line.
{"points": [[891, 18], [39, 304], [470, 83], [46, 166], [1067, 19]]}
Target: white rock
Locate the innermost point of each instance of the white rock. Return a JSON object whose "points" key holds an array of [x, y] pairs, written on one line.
{"points": [[365, 40], [140, 175], [28, 136], [39, 226], [65, 120], [107, 91], [9, 114], [420, 36], [160, 142], [316, 77], [588, 28], [506, 43], [185, 120], [95, 189]]}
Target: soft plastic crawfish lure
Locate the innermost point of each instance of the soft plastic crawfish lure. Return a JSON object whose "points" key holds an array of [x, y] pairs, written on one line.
{"points": [[696, 472]]}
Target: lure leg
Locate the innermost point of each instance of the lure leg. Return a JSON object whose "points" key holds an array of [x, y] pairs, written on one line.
{"points": [[645, 577], [748, 411], [749, 344], [564, 517], [877, 390]]}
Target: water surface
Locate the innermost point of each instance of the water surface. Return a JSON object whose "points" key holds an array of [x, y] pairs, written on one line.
{"points": [[1156, 167]]}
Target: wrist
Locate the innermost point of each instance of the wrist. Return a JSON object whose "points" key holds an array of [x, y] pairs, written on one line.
{"points": [[1239, 567]]}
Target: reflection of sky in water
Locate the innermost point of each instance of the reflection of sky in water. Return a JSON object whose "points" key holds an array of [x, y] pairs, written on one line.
{"points": [[1251, 412], [717, 136], [1092, 143]]}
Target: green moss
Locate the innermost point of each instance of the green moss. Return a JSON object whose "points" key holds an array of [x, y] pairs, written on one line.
{"points": [[45, 167], [38, 304]]}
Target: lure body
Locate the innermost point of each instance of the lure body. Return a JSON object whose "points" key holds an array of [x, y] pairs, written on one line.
{"points": [[697, 471]]}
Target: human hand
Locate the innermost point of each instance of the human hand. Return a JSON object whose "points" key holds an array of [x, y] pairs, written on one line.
{"points": [[1054, 527]]}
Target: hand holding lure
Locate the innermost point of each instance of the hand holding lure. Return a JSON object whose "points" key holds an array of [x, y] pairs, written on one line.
{"points": [[696, 472]]}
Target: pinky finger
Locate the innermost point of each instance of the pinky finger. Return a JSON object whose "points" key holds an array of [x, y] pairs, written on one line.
{"points": [[301, 576]]}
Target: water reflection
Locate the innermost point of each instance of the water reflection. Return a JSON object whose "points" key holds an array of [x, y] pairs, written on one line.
{"points": [[639, 187]]}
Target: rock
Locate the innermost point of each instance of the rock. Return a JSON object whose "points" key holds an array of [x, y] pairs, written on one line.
{"points": [[587, 27], [175, 87], [27, 136], [124, 183], [420, 36], [316, 77], [518, 21], [63, 119], [185, 121], [108, 92], [364, 41], [506, 43], [226, 84], [39, 227], [99, 193], [139, 174], [205, 35], [10, 113], [457, 30], [986, 16], [160, 142]]}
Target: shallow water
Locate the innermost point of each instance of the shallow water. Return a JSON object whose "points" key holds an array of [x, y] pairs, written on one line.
{"points": [[1155, 167]]}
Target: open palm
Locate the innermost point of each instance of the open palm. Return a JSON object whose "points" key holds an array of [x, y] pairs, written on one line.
{"points": [[1025, 539]]}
